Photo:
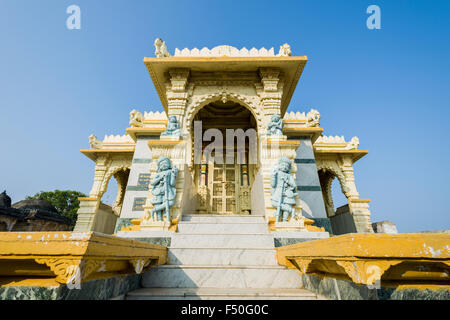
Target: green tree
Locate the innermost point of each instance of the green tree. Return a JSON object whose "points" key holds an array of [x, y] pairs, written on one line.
{"points": [[65, 201]]}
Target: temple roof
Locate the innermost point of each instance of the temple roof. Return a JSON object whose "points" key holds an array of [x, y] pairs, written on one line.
{"points": [[225, 59], [34, 204], [33, 209]]}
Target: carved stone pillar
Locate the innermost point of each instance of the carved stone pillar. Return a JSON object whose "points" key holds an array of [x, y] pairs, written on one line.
{"points": [[203, 194], [326, 180], [244, 191], [361, 215], [122, 179], [86, 214], [101, 168], [347, 169], [177, 95], [271, 91]]}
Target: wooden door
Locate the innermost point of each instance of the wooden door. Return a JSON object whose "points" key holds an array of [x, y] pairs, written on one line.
{"points": [[223, 186]]}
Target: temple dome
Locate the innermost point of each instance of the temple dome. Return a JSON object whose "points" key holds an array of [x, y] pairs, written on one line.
{"points": [[35, 204]]}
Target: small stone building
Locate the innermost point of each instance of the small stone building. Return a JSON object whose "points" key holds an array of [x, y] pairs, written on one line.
{"points": [[31, 215]]}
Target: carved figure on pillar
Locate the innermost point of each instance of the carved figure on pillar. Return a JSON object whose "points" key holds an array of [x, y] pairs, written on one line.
{"points": [[163, 189], [275, 126], [173, 128], [284, 190]]}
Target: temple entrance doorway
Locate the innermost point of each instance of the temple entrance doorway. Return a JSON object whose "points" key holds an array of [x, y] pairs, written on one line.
{"points": [[224, 187]]}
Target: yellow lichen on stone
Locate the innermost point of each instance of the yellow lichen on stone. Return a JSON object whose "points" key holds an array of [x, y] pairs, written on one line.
{"points": [[71, 257], [400, 259]]}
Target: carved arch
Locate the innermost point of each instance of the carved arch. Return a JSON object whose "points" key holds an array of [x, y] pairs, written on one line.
{"points": [[199, 102], [110, 172], [334, 169]]}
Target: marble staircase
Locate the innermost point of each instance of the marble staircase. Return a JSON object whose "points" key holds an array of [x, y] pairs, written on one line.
{"points": [[221, 257]]}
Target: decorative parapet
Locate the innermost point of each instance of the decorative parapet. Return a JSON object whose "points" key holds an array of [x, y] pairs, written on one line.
{"points": [[34, 258], [336, 143], [111, 142], [220, 51], [302, 124], [113, 139], [155, 116], [151, 123], [228, 51], [302, 119], [331, 139], [373, 258]]}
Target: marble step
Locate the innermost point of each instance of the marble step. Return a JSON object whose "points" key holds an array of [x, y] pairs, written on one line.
{"points": [[220, 294], [225, 227], [184, 276], [180, 240], [214, 256], [222, 218]]}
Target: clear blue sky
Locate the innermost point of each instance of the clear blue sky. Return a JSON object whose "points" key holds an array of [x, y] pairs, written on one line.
{"points": [[390, 87]]}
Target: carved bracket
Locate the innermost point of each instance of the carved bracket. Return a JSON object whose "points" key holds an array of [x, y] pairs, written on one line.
{"points": [[366, 272]]}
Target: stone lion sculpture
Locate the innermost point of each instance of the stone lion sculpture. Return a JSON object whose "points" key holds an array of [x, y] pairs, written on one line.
{"points": [[94, 142], [313, 118], [136, 119], [285, 51], [161, 49], [353, 144]]}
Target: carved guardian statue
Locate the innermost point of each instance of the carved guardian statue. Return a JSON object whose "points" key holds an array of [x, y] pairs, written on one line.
{"points": [[275, 126], [173, 128], [284, 190], [163, 189]]}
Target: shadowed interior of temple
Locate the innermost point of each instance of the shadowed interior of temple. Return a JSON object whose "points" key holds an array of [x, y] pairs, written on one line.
{"points": [[221, 184]]}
